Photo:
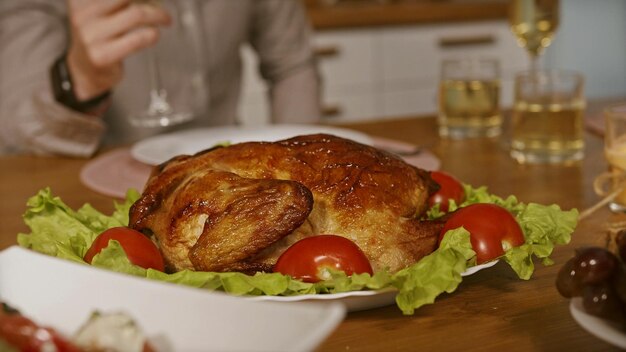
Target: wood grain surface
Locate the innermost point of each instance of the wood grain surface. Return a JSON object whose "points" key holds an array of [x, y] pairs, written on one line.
{"points": [[491, 310]]}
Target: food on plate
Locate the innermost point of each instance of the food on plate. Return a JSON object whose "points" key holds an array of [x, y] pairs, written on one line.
{"points": [[450, 189], [238, 208], [19, 333], [139, 249], [493, 229], [598, 276], [112, 332], [310, 258]]}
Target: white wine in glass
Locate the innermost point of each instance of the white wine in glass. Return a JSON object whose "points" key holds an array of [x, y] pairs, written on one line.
{"points": [[534, 23], [469, 98]]}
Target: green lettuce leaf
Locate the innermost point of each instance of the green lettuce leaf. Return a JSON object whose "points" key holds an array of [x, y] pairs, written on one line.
{"points": [[543, 227], [434, 274], [59, 231], [114, 258]]}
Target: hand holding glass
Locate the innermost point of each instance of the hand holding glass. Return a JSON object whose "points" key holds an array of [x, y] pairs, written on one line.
{"points": [[174, 91]]}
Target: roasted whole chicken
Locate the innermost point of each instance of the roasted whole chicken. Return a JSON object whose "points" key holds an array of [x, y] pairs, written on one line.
{"points": [[238, 208]]}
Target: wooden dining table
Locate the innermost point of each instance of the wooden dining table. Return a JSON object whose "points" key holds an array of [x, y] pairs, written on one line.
{"points": [[490, 310]]}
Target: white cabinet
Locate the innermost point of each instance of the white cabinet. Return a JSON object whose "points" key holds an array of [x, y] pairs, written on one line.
{"points": [[351, 74], [411, 59], [393, 71]]}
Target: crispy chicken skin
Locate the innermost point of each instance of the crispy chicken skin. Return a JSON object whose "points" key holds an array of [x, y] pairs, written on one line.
{"points": [[237, 208]]}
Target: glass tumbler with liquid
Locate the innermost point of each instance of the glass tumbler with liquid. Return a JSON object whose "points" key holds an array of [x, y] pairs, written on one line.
{"points": [[547, 121], [614, 181], [469, 99]]}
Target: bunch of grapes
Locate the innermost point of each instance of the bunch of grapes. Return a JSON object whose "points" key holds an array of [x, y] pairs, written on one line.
{"points": [[599, 277]]}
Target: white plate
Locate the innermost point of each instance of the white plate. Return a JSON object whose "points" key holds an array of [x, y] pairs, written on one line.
{"points": [[359, 300], [158, 149], [477, 268], [62, 294], [601, 328]]}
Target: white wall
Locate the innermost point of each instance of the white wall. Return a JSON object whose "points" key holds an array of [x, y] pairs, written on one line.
{"points": [[592, 39]]}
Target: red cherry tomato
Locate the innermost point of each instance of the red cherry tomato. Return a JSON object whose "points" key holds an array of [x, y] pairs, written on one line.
{"points": [[492, 229], [451, 188], [138, 248], [23, 334], [306, 259]]}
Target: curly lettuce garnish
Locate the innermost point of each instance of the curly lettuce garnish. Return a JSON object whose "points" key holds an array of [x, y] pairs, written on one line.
{"points": [[59, 231]]}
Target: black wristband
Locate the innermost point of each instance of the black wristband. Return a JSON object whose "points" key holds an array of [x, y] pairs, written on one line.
{"points": [[63, 88]]}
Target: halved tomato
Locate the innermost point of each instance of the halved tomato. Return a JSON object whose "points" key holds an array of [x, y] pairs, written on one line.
{"points": [[492, 228], [139, 249], [450, 188], [307, 258]]}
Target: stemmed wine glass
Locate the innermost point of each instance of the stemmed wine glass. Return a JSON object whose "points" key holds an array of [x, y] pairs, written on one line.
{"points": [[162, 110], [534, 23]]}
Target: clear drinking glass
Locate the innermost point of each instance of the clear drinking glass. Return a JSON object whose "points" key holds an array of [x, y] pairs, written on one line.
{"points": [[469, 98], [547, 122], [613, 182], [177, 89]]}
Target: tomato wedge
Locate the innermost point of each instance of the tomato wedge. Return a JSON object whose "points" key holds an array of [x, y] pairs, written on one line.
{"points": [[450, 189], [23, 334], [492, 228], [307, 258], [138, 248]]}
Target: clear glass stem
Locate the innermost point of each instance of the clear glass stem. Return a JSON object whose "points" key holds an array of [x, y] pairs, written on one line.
{"points": [[158, 96], [534, 69], [534, 63]]}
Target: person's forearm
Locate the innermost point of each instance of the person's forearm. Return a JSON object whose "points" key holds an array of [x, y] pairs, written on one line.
{"points": [[296, 98], [32, 121], [282, 38]]}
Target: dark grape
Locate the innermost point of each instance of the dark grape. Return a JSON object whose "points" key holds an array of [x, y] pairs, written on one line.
{"points": [[619, 283], [602, 301], [621, 245], [567, 282], [599, 277], [595, 265]]}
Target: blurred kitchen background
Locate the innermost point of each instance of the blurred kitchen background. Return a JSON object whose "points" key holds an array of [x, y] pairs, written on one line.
{"points": [[381, 58]]}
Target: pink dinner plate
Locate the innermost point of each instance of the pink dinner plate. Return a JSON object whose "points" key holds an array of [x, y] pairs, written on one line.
{"points": [[114, 172]]}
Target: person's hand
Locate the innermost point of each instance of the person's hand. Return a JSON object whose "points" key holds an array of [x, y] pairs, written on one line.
{"points": [[102, 35]]}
